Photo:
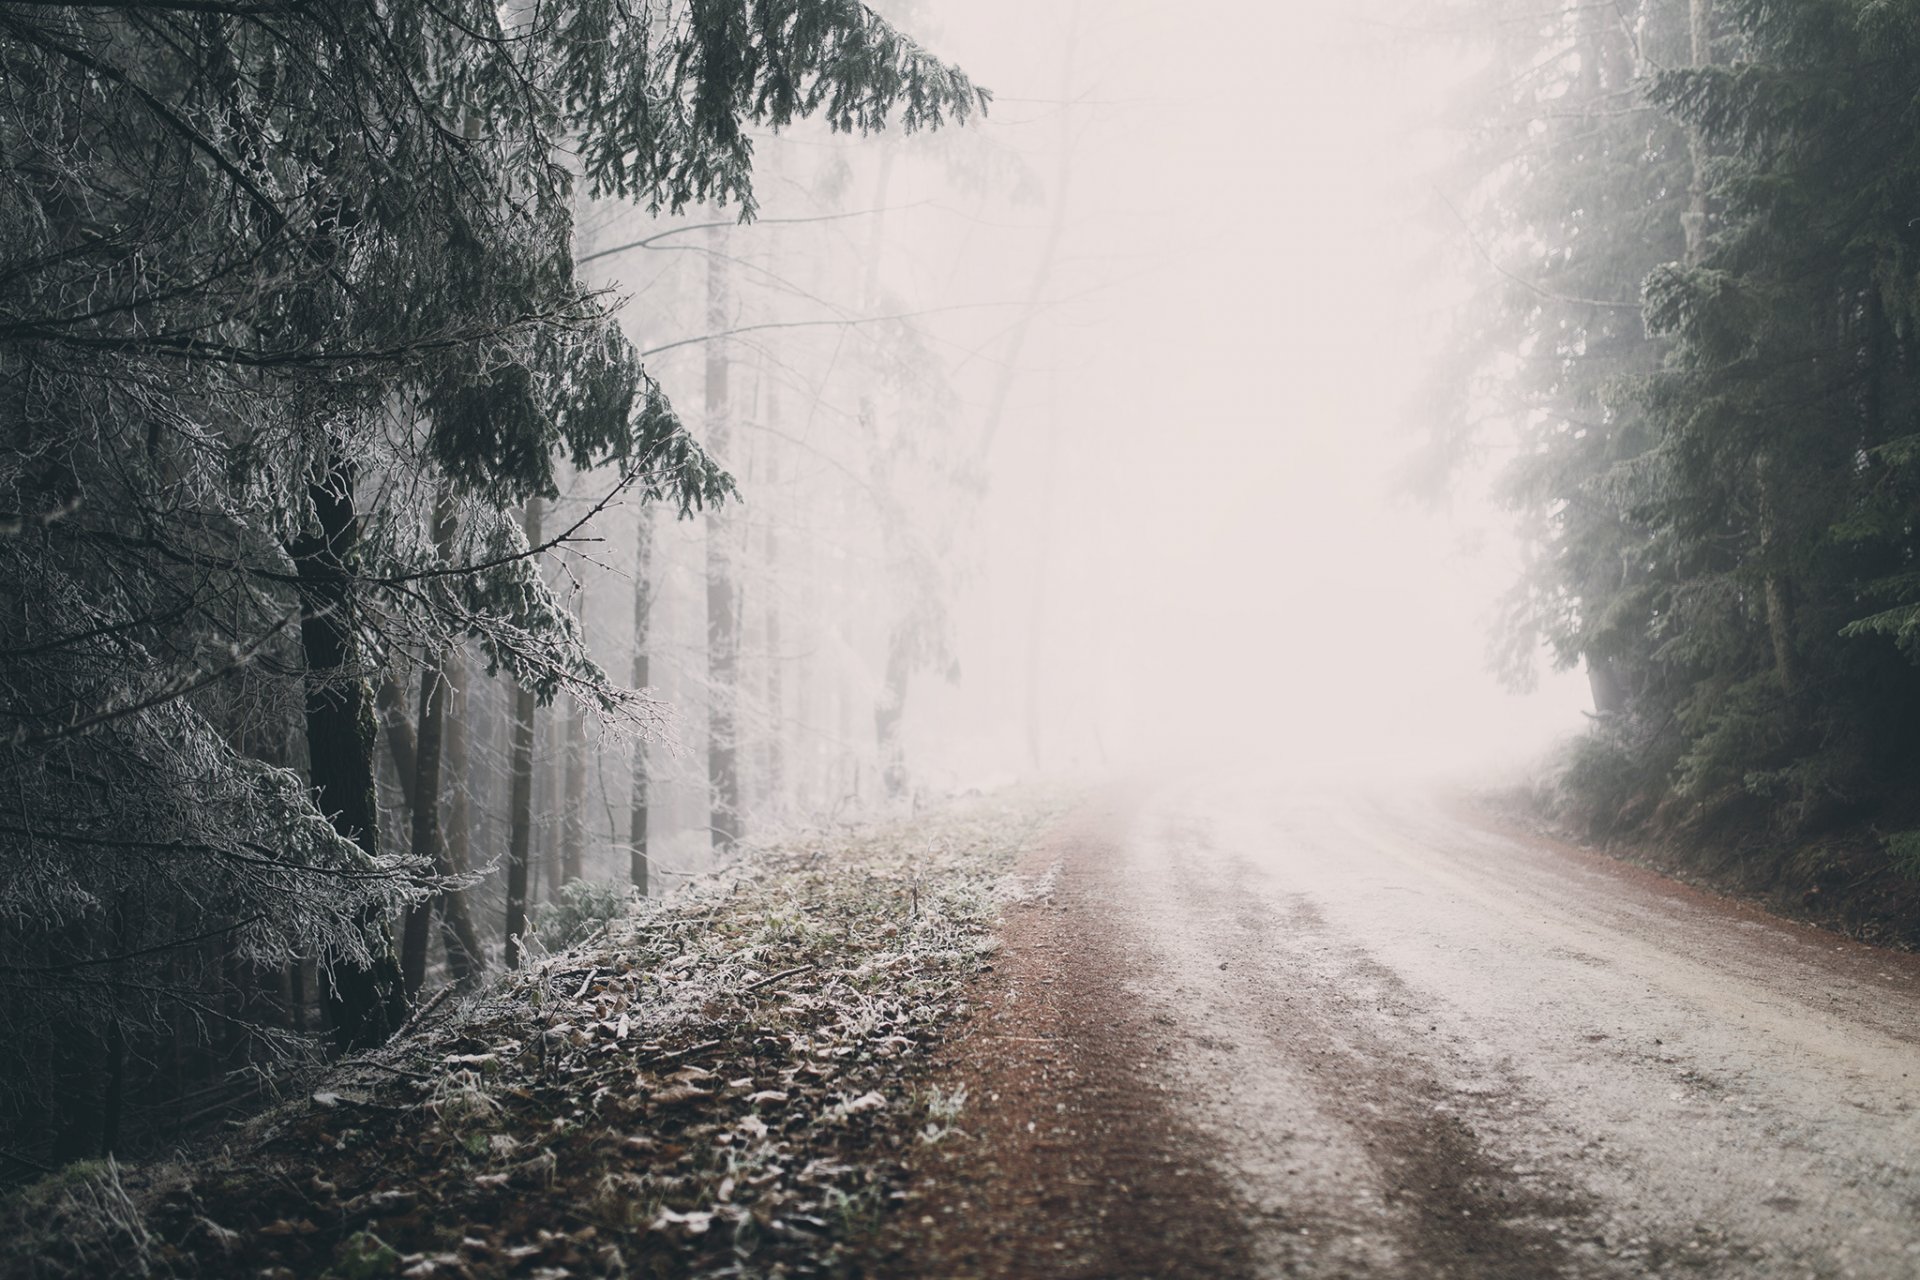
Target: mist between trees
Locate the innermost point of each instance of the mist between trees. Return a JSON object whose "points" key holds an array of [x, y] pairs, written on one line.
{"points": [[371, 613]]}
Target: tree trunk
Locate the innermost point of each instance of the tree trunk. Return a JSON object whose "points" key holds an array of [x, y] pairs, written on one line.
{"points": [[1776, 590], [417, 762], [114, 1102], [723, 641], [297, 997], [893, 705], [776, 691], [1780, 632], [638, 869], [425, 799], [1003, 385], [573, 816], [520, 834], [366, 1003], [465, 955], [458, 931], [1040, 598], [547, 802]]}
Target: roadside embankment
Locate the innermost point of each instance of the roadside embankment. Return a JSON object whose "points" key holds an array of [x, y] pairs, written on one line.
{"points": [[721, 1082]]}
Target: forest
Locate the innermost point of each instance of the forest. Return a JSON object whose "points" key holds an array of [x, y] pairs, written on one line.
{"points": [[607, 572], [1698, 329], [318, 417]]}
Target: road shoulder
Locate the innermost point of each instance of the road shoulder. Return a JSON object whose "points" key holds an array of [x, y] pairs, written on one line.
{"points": [[1070, 1157]]}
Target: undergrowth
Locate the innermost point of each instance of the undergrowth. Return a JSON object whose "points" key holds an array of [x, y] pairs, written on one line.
{"points": [[721, 1083]]}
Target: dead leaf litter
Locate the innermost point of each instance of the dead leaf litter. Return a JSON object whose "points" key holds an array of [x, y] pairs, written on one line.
{"points": [[723, 1083]]}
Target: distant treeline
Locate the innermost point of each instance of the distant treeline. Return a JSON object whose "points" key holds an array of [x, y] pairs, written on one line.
{"points": [[1698, 223]]}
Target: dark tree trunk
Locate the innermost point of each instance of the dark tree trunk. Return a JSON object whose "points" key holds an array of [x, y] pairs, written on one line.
{"points": [[113, 1103], [417, 925], [723, 641], [466, 954], [424, 796], [466, 958], [366, 1003], [116, 1091], [637, 867], [520, 833], [546, 804], [573, 816], [293, 997], [1777, 588]]}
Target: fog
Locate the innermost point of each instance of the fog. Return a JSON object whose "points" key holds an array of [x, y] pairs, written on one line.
{"points": [[1235, 571], [1117, 392]]}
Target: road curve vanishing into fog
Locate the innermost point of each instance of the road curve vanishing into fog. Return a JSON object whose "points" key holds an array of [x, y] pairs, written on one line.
{"points": [[1411, 1042]]}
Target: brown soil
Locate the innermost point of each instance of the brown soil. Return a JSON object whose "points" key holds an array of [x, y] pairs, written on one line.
{"points": [[1068, 1160]]}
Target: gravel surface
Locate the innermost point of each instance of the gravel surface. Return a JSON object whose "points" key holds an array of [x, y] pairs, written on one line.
{"points": [[1367, 1034]]}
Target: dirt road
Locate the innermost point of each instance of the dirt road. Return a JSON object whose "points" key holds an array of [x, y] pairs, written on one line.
{"points": [[1248, 1032]]}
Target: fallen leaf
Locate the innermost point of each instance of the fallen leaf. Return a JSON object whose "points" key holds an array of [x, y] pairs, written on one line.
{"points": [[471, 1059], [695, 1223]]}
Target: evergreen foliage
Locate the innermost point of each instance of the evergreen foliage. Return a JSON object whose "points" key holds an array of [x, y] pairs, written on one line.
{"points": [[1721, 476], [279, 278]]}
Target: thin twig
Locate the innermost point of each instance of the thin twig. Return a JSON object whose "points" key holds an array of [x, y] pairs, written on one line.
{"points": [[420, 1015], [757, 222], [770, 980], [849, 322]]}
